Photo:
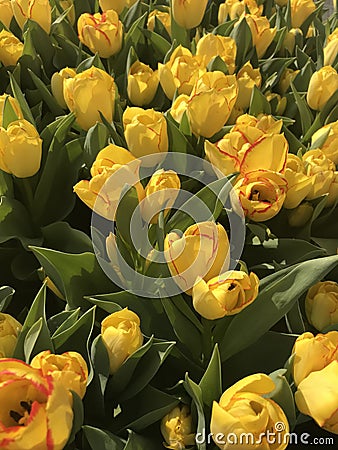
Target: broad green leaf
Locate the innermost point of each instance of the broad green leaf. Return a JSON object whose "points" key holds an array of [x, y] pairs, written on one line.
{"points": [[304, 111], [195, 392], [61, 236], [21, 100], [101, 440], [242, 36], [78, 417], [6, 184], [211, 382], [8, 114], [55, 322], [282, 394], [258, 103], [159, 43], [46, 95], [6, 295]]}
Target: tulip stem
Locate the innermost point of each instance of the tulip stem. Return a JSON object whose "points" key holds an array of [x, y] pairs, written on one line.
{"points": [[26, 192], [207, 340]]}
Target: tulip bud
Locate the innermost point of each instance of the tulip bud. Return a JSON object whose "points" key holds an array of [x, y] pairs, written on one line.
{"points": [[177, 428], [247, 78], [201, 252], [162, 16], [322, 172], [212, 45], [331, 48], [20, 149], [38, 10], [9, 331], [6, 12], [116, 5], [333, 191], [101, 33], [65, 4], [321, 304], [69, 369], [300, 11], [261, 194], [235, 8], [142, 84], [57, 84], [188, 14], [330, 146], [323, 84], [145, 131], [14, 104], [292, 37], [299, 216], [225, 295], [286, 79], [121, 336], [88, 93], [240, 412], [262, 34], [10, 48], [278, 103]]}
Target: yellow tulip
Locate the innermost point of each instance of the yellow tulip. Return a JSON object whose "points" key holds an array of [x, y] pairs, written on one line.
{"points": [[20, 149], [299, 184], [286, 79], [330, 146], [10, 48], [201, 252], [116, 5], [181, 72], [142, 84], [188, 13], [247, 79], [225, 295], [262, 34], [162, 16], [290, 39], [14, 104], [313, 353], [235, 8], [114, 257], [333, 190], [300, 11], [6, 12], [223, 154], [244, 409], [36, 410], [177, 428], [321, 170], [317, 397], [57, 87], [65, 4], [261, 194], [331, 48], [323, 84], [145, 131], [277, 102], [101, 33], [69, 369], [9, 331], [38, 10], [321, 304], [212, 45], [102, 193], [160, 194], [122, 336], [88, 93]]}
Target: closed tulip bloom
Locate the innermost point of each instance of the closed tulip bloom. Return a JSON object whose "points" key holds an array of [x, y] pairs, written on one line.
{"points": [[38, 10], [116, 5], [177, 428], [300, 11], [321, 304], [188, 13], [235, 8], [286, 79], [145, 131], [290, 39], [36, 410], [14, 104], [330, 146], [212, 45], [225, 295], [262, 34], [57, 81], [181, 72], [201, 252], [243, 409], [9, 331], [277, 102], [101, 33], [142, 84], [323, 84], [160, 194], [317, 397], [333, 190], [247, 79], [10, 48], [322, 172], [313, 353], [299, 184], [331, 48], [162, 16], [88, 93], [262, 194], [122, 336], [20, 149], [114, 167], [6, 12]]}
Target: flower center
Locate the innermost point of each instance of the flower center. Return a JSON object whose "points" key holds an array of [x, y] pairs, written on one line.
{"points": [[22, 417]]}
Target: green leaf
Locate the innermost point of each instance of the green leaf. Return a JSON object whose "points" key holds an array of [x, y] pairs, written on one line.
{"points": [[55, 322], [21, 100], [46, 96], [195, 392], [101, 440], [242, 36], [177, 141], [282, 394], [125, 211], [278, 293], [258, 103], [68, 322], [78, 417], [6, 185], [6, 295], [42, 44], [8, 114], [304, 111], [159, 43], [61, 236], [211, 382], [90, 62], [218, 63], [294, 320]]}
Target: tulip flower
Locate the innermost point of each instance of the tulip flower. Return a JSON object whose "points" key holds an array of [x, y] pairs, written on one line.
{"points": [[38, 10], [6, 12], [177, 428], [14, 104], [286, 79], [116, 5], [162, 16], [101, 33], [36, 409], [321, 304], [262, 34], [330, 146], [299, 184], [69, 369], [247, 79], [142, 84], [244, 409], [225, 295], [9, 331], [57, 87], [122, 336], [11, 48], [212, 45], [321, 170], [20, 149], [235, 8], [189, 13], [331, 48], [323, 84], [300, 11]]}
